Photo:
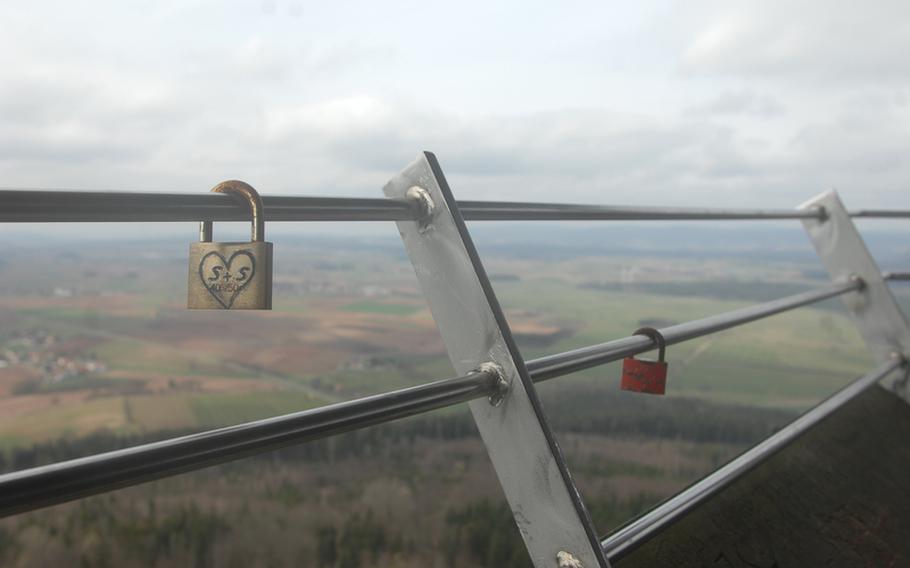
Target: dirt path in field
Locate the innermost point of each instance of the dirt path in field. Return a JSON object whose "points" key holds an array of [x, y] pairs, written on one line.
{"points": [[699, 350], [285, 381]]}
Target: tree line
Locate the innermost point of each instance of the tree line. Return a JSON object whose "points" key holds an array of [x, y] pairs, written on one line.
{"points": [[579, 410]]}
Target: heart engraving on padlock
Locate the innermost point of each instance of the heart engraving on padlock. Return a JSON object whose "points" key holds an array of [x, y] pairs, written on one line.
{"points": [[226, 279], [231, 276]]}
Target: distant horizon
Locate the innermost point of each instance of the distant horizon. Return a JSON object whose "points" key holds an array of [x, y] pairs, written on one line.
{"points": [[778, 240]]}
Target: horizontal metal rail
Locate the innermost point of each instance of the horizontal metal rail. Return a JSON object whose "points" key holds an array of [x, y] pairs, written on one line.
{"points": [[896, 276], [38, 487], [55, 206], [93, 207], [508, 211], [576, 360], [882, 213], [637, 532], [33, 206], [56, 483]]}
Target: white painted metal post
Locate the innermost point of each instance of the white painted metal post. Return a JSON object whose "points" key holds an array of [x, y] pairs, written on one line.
{"points": [[874, 309], [545, 502]]}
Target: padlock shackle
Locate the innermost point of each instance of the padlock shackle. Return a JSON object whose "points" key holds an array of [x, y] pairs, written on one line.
{"points": [[658, 338], [248, 194]]}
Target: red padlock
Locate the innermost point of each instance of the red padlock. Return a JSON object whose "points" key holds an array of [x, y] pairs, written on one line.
{"points": [[639, 375]]}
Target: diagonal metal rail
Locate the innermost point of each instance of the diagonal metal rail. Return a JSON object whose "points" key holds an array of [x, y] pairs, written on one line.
{"points": [[532, 471], [628, 537], [875, 311]]}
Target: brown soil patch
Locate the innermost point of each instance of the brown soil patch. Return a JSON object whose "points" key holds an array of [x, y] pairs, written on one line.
{"points": [[112, 305], [292, 344], [11, 376], [163, 383], [19, 405]]}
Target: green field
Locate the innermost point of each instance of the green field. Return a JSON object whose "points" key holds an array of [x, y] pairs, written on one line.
{"points": [[385, 308], [792, 359], [216, 410]]}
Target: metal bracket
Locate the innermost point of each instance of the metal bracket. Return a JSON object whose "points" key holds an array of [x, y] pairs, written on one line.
{"points": [[843, 252], [544, 500]]}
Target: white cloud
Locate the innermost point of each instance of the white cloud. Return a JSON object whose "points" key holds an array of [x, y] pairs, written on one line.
{"points": [[179, 98], [740, 102], [839, 40]]}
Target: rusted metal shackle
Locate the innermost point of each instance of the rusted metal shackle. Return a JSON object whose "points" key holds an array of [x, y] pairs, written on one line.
{"points": [[246, 192], [658, 338]]}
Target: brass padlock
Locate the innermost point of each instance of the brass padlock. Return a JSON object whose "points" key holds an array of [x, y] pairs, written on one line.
{"points": [[232, 276]]}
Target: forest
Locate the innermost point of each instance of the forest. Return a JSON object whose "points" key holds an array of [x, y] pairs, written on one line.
{"points": [[339, 497]]}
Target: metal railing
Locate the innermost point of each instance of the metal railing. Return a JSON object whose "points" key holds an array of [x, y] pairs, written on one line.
{"points": [[39, 206], [493, 378], [896, 276]]}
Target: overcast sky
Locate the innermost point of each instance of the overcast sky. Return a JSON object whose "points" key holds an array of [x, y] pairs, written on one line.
{"points": [[690, 103]]}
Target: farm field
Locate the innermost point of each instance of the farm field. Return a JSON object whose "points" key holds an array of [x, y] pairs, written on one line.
{"points": [[325, 346]]}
